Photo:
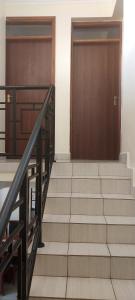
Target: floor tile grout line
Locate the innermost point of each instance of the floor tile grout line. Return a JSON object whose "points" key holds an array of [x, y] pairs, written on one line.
{"points": [[113, 289], [110, 259]]}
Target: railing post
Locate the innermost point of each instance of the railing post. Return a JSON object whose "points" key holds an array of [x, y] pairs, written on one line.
{"points": [[14, 121], [24, 216], [47, 146], [53, 125], [39, 186], [20, 274]]}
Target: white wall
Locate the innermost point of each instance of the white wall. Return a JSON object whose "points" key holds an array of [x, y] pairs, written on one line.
{"points": [[64, 11], [2, 66], [128, 81]]}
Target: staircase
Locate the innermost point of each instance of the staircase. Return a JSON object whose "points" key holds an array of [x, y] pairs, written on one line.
{"points": [[89, 234]]}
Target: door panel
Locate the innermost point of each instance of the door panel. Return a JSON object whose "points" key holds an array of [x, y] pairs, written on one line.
{"points": [[28, 62], [95, 120]]}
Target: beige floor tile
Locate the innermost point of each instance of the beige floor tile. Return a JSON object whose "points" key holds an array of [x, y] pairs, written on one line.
{"points": [[87, 206], [61, 169], [56, 218], [54, 248], [51, 265], [88, 249], [122, 267], [119, 207], [55, 232], [83, 219], [115, 186], [59, 185], [59, 195], [85, 169], [89, 288], [88, 195], [88, 233], [118, 196], [121, 234], [120, 220], [48, 287], [89, 266], [122, 250], [114, 169], [84, 186], [124, 289], [57, 205]]}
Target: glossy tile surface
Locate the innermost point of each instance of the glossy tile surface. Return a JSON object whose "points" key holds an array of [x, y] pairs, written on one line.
{"points": [[89, 288]]}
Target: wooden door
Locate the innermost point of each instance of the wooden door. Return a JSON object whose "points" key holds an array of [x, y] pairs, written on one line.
{"points": [[29, 61], [95, 107]]}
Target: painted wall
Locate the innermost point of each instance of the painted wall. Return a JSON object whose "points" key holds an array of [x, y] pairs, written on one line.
{"points": [[2, 66], [64, 11], [128, 81]]}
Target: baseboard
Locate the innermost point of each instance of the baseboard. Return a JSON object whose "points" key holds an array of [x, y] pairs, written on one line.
{"points": [[124, 157], [62, 156]]}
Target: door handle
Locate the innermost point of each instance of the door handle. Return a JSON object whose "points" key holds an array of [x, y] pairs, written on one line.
{"points": [[115, 100], [9, 98]]}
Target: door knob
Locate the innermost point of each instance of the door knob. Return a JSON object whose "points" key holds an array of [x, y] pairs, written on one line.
{"points": [[115, 100], [8, 98]]}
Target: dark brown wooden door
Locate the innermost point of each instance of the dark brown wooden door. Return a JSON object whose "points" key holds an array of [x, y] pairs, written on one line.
{"points": [[28, 62], [95, 109]]}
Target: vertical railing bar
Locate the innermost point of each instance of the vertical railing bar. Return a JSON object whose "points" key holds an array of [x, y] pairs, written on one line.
{"points": [[20, 271], [39, 186], [14, 121], [24, 216]]}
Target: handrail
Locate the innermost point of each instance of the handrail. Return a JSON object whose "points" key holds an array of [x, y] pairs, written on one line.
{"points": [[24, 87], [28, 230], [19, 176]]}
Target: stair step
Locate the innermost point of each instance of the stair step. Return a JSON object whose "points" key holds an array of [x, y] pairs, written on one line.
{"points": [[86, 260], [90, 204], [44, 287], [90, 169], [51, 260], [122, 261], [71, 288], [89, 229], [90, 185], [124, 289]]}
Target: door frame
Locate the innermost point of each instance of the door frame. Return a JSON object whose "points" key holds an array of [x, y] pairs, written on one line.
{"points": [[93, 24], [33, 21]]}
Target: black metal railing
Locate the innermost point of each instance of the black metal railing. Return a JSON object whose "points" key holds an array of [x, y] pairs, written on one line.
{"points": [[32, 178], [16, 101]]}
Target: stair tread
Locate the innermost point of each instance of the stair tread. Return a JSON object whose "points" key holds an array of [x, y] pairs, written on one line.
{"points": [[94, 196], [54, 248], [72, 288], [122, 250], [89, 288], [91, 177], [120, 220], [56, 218], [85, 219], [87, 249], [50, 287]]}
